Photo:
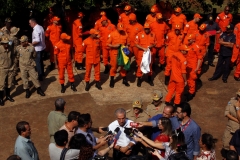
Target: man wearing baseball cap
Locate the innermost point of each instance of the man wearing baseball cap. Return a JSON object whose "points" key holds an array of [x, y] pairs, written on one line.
{"points": [[98, 23], [124, 17], [8, 26], [178, 18], [152, 16], [63, 61], [227, 41], [236, 53]]}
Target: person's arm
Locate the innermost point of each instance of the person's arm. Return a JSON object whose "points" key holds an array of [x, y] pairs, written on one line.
{"points": [[56, 51], [199, 62], [106, 150], [158, 145], [137, 41], [36, 39], [231, 147], [101, 142], [226, 44], [143, 124], [98, 130], [109, 43], [196, 138], [137, 139]]}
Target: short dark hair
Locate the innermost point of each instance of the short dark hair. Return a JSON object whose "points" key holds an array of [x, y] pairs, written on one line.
{"points": [[59, 104], [208, 140], [20, 127], [73, 115], [77, 141], [33, 20], [61, 137], [14, 157], [84, 119], [232, 155], [171, 107], [186, 108]]}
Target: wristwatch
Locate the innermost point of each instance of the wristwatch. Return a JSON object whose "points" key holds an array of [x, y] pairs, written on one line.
{"points": [[237, 108]]}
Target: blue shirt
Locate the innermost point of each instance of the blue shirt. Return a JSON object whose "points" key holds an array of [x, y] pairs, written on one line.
{"points": [[25, 149], [227, 51]]}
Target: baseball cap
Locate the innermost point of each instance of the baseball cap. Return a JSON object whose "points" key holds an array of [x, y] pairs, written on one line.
{"points": [[238, 92], [178, 9], [153, 9], [14, 30], [191, 36], [184, 48], [203, 27], [8, 20], [146, 25], [102, 13], [23, 38], [230, 27], [132, 17], [104, 18], [120, 26], [65, 36], [159, 16], [196, 15], [127, 8], [80, 14], [156, 95], [93, 31], [4, 39], [137, 102], [55, 18]]}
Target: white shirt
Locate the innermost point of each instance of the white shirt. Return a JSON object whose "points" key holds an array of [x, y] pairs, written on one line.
{"points": [[55, 152], [38, 36], [122, 139]]}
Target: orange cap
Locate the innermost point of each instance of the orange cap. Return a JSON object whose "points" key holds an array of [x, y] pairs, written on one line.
{"points": [[184, 48], [196, 15], [104, 18], [93, 31], [55, 18], [159, 16], [65, 36], [80, 14], [120, 26], [102, 13], [191, 36], [178, 9], [153, 10], [177, 26], [127, 8], [146, 25], [132, 17], [203, 27]]}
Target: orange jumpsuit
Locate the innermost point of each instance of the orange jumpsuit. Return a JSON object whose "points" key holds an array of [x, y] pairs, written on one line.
{"points": [[132, 31], [62, 50], [47, 21], [177, 65], [98, 24], [116, 38], [92, 49], [173, 43], [124, 19], [236, 51], [192, 60], [144, 40], [53, 32], [150, 19], [160, 29], [77, 40], [203, 42], [181, 20], [104, 32], [190, 28], [222, 20]]}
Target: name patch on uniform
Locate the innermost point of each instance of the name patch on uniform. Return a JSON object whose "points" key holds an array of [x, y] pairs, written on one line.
{"points": [[142, 35]]}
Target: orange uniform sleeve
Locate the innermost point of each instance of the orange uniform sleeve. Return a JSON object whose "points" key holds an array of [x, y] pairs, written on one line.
{"points": [[236, 32], [183, 66], [167, 39], [84, 46], [168, 66], [231, 18], [56, 50], [48, 31], [217, 19], [235, 54], [137, 40], [184, 20], [79, 30], [198, 52], [186, 28], [207, 40], [109, 40]]}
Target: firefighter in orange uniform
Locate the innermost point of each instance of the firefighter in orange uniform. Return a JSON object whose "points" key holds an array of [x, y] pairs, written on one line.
{"points": [[178, 18], [105, 29], [77, 41], [124, 17], [53, 33], [91, 46], [132, 30], [115, 40], [98, 23], [63, 60], [46, 22], [174, 40], [177, 64], [202, 39], [236, 53], [223, 20], [194, 61], [144, 40], [160, 29], [191, 27], [152, 16]]}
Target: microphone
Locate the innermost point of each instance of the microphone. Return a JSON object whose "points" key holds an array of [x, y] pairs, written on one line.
{"points": [[108, 133], [128, 132], [116, 131]]}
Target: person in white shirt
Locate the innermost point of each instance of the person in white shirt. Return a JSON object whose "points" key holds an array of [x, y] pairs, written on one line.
{"points": [[123, 143], [38, 41]]}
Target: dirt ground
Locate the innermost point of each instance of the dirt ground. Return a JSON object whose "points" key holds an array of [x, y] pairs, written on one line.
{"points": [[207, 110]]}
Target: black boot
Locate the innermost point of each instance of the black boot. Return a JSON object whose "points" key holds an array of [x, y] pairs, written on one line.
{"points": [[52, 66], [63, 89], [125, 82], [150, 80], [190, 96], [167, 78], [87, 86], [1, 98], [40, 91], [112, 82], [73, 87], [139, 81], [98, 85], [28, 94], [8, 97], [106, 71], [80, 67]]}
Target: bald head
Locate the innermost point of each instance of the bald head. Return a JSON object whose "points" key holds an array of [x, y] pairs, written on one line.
{"points": [[168, 111], [226, 10]]}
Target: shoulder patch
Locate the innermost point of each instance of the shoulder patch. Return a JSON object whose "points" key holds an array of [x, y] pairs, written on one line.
{"points": [[80, 26], [55, 47], [109, 36], [218, 17], [185, 62], [187, 25]]}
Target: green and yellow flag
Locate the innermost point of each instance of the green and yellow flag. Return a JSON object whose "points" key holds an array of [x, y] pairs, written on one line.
{"points": [[122, 58]]}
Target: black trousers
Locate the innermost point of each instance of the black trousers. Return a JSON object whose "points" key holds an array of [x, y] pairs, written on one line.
{"points": [[223, 67], [210, 53]]}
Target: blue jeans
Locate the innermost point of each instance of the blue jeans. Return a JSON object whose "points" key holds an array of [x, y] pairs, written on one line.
{"points": [[39, 63]]}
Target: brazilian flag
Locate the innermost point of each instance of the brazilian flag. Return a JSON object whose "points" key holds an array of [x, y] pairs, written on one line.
{"points": [[122, 58]]}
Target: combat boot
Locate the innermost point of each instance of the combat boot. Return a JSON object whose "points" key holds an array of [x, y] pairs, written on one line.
{"points": [[106, 71], [63, 89], [139, 82], [28, 94], [40, 91], [73, 87], [8, 97], [112, 82], [87, 86], [150, 80], [80, 67], [1, 98], [98, 85], [125, 82]]}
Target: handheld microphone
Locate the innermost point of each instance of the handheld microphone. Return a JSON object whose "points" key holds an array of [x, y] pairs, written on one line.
{"points": [[116, 131], [108, 133], [128, 132]]}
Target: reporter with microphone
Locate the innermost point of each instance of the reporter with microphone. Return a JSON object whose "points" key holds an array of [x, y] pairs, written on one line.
{"points": [[123, 144]]}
